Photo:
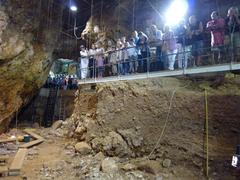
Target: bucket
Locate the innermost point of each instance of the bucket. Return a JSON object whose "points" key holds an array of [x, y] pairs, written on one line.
{"points": [[26, 138]]}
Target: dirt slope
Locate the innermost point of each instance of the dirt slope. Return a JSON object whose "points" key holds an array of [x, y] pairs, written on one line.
{"points": [[126, 119]]}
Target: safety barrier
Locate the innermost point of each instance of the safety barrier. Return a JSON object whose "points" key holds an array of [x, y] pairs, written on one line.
{"points": [[158, 66]]}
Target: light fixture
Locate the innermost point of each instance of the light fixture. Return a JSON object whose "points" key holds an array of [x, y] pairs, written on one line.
{"points": [[73, 8], [176, 12]]}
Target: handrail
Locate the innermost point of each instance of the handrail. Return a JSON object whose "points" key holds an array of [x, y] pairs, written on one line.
{"points": [[147, 61]]}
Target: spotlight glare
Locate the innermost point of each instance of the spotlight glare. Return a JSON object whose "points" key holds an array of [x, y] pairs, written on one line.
{"points": [[73, 8], [176, 12]]}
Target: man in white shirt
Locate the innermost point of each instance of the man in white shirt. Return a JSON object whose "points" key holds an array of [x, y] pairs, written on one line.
{"points": [[84, 62]]}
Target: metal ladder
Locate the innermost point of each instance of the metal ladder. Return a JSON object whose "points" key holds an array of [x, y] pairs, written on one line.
{"points": [[61, 115], [50, 108]]}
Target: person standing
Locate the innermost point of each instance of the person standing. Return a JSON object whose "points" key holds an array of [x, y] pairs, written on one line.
{"points": [[84, 62], [92, 61], [126, 63], [169, 42], [196, 31], [184, 45], [143, 45], [113, 60], [132, 53], [99, 60], [119, 53], [216, 26], [155, 39], [233, 30], [135, 37]]}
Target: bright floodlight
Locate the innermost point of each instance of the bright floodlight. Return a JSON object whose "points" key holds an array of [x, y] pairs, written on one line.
{"points": [[73, 8], [176, 12]]}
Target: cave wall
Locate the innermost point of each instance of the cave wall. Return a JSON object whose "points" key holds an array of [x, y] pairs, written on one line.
{"points": [[28, 37]]}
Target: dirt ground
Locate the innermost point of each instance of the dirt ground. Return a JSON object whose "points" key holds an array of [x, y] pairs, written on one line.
{"points": [[129, 134], [126, 119]]}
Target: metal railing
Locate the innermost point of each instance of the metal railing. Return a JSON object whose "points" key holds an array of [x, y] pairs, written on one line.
{"points": [[208, 56]]}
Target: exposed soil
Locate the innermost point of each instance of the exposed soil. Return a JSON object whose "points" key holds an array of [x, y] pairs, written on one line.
{"points": [[122, 123], [126, 119]]}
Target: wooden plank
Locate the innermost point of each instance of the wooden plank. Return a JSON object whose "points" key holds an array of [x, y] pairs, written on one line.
{"points": [[18, 160], [7, 140], [3, 169], [32, 143], [34, 135], [4, 157]]}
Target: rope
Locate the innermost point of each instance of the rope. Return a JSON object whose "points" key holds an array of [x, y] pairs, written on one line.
{"points": [[166, 121], [48, 14], [101, 19], [206, 128], [118, 18], [133, 13], [165, 124], [155, 9], [75, 28], [91, 32]]}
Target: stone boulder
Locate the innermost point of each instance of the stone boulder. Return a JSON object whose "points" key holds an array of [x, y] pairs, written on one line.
{"points": [[83, 148], [115, 145], [132, 137], [109, 165], [57, 124]]}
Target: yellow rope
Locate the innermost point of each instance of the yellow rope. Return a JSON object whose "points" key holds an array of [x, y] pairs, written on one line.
{"points": [[206, 129]]}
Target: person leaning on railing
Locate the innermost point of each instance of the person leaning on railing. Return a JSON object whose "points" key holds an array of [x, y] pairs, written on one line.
{"points": [[216, 26]]}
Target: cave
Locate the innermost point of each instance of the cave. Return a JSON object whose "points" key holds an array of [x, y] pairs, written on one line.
{"points": [[81, 98]]}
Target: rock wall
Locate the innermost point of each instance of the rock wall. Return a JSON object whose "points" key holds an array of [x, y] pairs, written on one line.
{"points": [[27, 40], [126, 119]]}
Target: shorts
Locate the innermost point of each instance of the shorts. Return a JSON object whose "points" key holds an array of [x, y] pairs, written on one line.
{"points": [[197, 48]]}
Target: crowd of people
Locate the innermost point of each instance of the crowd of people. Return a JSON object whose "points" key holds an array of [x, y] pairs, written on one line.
{"points": [[62, 81], [180, 44]]}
